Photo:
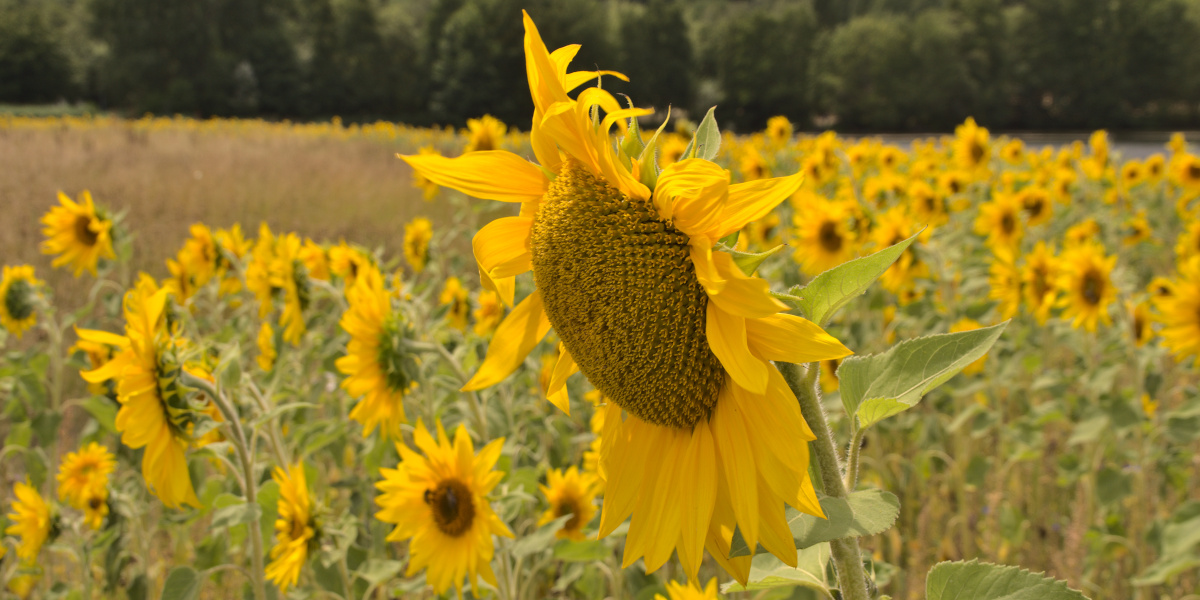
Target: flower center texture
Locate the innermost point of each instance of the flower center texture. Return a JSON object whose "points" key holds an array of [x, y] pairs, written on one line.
{"points": [[569, 505], [831, 240], [19, 299], [1093, 287], [453, 509], [620, 289], [83, 231]]}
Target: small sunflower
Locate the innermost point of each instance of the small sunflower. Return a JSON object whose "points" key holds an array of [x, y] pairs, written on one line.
{"points": [[569, 493], [1139, 317], [83, 472], [779, 130], [484, 133], [1000, 221], [455, 296], [439, 502], [1137, 230], [18, 299], [926, 205], [671, 149], [95, 506], [266, 347], [823, 234], [1081, 233], [1133, 173], [895, 226], [1004, 280], [953, 183], [31, 521], [417, 234], [315, 259], [1179, 312], [1038, 278], [289, 274], [489, 313], [346, 262], [972, 148], [1187, 172], [98, 354], [295, 528], [379, 366], [154, 412], [78, 234], [1037, 205], [752, 165], [690, 591], [1188, 243], [829, 378], [1013, 152], [1086, 283], [258, 271]]}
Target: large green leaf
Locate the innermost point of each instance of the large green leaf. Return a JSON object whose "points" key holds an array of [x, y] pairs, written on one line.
{"points": [[767, 572], [878, 386], [236, 514], [831, 290], [183, 583], [1180, 541], [588, 551], [983, 581], [863, 513]]}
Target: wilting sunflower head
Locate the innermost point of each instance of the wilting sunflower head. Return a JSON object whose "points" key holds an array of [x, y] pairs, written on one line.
{"points": [[31, 521], [296, 528], [18, 299], [78, 235], [573, 494], [83, 471], [438, 500]]}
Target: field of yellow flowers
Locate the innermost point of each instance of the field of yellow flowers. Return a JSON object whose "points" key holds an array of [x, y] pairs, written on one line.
{"points": [[809, 366]]}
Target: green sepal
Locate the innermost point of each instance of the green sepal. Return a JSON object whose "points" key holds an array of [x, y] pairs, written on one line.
{"points": [[706, 142], [749, 262], [649, 157]]}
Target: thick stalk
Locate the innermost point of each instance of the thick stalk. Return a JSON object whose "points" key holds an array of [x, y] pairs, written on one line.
{"points": [[847, 559], [852, 458], [251, 484]]}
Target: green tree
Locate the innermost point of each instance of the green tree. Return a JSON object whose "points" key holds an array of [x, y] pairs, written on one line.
{"points": [[656, 53], [33, 67], [862, 71]]}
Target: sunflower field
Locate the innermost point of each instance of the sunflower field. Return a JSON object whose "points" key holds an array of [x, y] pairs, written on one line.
{"points": [[616, 362]]}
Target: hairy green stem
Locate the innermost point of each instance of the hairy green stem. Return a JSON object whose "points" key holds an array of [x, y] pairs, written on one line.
{"points": [[847, 559], [852, 459]]}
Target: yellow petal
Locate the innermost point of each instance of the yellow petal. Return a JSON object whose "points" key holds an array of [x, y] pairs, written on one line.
{"points": [[692, 193], [517, 334], [557, 390], [739, 294], [489, 174], [788, 338], [737, 465], [727, 339], [102, 337], [502, 247], [505, 288], [753, 200], [701, 471]]}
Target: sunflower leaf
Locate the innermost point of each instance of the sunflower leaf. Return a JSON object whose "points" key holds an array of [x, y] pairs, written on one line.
{"points": [[863, 513], [985, 581], [539, 540], [183, 583], [767, 572], [236, 514], [830, 291], [749, 262], [583, 551], [878, 386], [706, 142]]}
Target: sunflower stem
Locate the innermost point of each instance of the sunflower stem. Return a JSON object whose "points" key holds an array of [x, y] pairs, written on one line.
{"points": [[847, 559], [852, 460], [250, 484]]}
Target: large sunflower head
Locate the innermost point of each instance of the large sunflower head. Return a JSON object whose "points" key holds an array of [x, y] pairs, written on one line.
{"points": [[570, 493], [78, 234], [1085, 281], [31, 521], [380, 366], [18, 299], [296, 528], [82, 472], [154, 412], [437, 498], [646, 304]]}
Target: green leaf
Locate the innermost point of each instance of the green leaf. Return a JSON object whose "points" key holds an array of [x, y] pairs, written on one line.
{"points": [[767, 572], [376, 570], [749, 262], [585, 551], [538, 540], [183, 583], [863, 513], [20, 435], [984, 581], [878, 386], [649, 158], [1112, 485], [1180, 538], [104, 411], [707, 140], [830, 291], [237, 514], [632, 146]]}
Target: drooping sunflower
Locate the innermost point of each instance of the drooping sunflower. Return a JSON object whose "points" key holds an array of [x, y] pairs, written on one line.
{"points": [[484, 133], [1179, 312], [823, 234], [488, 313], [18, 299], [673, 333], [31, 521], [379, 366], [455, 296], [1085, 281], [1039, 277], [690, 591], [154, 411], [84, 471], [439, 502], [78, 234], [570, 493], [295, 528], [417, 234]]}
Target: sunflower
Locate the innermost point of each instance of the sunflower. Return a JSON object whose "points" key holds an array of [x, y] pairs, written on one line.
{"points": [[671, 149], [455, 296], [1038, 278], [1085, 280], [31, 521], [779, 130], [1161, 287], [1139, 316], [752, 165], [429, 189], [289, 274], [1013, 152], [98, 354], [295, 528], [233, 245], [79, 234], [569, 493], [669, 329], [484, 133], [926, 205], [1004, 281], [439, 502], [1154, 168], [1187, 244], [347, 261], [953, 183], [18, 299], [417, 234], [1179, 312], [1000, 221], [823, 236], [258, 271], [489, 313], [1083, 232], [315, 259], [266, 347], [199, 255], [1138, 229], [971, 146], [1132, 174], [379, 365], [1187, 172], [829, 378], [84, 471], [1036, 203], [95, 506], [690, 591], [154, 411], [893, 227]]}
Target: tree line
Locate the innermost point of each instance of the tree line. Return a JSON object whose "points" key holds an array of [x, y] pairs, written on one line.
{"points": [[883, 65]]}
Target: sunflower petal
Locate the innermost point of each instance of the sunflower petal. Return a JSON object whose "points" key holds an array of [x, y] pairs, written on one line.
{"points": [[489, 175], [727, 339], [517, 334], [753, 200], [502, 247], [556, 392], [788, 338]]}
